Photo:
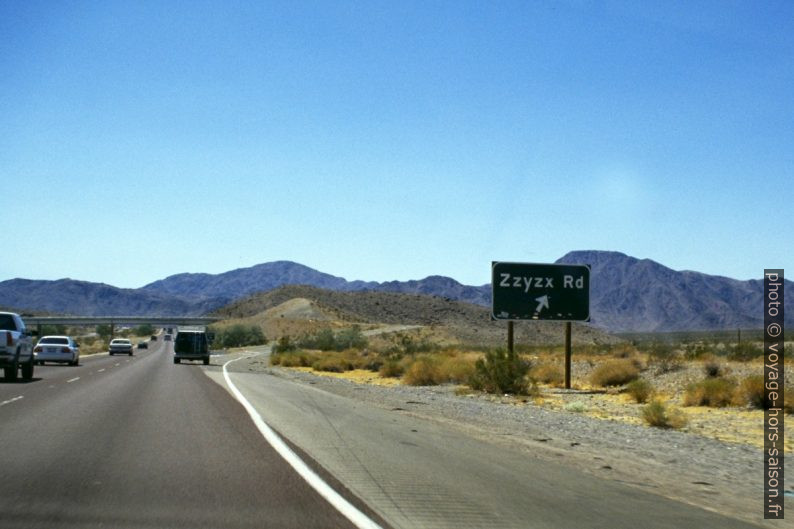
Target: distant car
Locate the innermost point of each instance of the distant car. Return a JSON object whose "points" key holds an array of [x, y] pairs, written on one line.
{"points": [[60, 349], [143, 344], [154, 337], [167, 337], [191, 345], [120, 346]]}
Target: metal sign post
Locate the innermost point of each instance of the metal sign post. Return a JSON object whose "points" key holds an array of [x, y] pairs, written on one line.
{"points": [[532, 291]]}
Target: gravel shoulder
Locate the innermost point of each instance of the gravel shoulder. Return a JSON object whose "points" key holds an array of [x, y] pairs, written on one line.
{"points": [[716, 475]]}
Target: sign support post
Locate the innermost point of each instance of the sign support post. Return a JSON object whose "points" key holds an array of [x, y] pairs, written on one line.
{"points": [[533, 291], [567, 355]]}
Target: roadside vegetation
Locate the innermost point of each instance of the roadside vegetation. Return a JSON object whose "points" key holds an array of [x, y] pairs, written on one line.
{"points": [[662, 415], [698, 385], [237, 335]]}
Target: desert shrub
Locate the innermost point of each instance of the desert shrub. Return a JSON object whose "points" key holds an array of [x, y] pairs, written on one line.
{"points": [[410, 346], [103, 330], [640, 390], [326, 340], [751, 391], [501, 371], [664, 356], [391, 368], [745, 351], [61, 329], [422, 372], [712, 392], [576, 406], [455, 369], [238, 335], [333, 363], [144, 329], [696, 350], [284, 345], [623, 350], [292, 359], [369, 361], [548, 374], [658, 414], [712, 367], [350, 338], [323, 340], [614, 373]]}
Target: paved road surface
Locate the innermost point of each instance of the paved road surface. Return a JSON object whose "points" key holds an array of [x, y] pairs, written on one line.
{"points": [[140, 442], [418, 473]]}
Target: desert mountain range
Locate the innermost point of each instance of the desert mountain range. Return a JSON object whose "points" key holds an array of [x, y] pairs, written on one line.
{"points": [[627, 294]]}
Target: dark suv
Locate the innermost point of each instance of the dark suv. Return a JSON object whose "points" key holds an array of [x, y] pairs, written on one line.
{"points": [[191, 345]]}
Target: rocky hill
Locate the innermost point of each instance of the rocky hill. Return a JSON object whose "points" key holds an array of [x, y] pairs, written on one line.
{"points": [[82, 298], [629, 294], [244, 281], [466, 322]]}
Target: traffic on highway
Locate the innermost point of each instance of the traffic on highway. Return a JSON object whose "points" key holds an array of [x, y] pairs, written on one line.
{"points": [[136, 441], [140, 441]]}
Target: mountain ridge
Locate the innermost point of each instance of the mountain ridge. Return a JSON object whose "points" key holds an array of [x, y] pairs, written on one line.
{"points": [[627, 293]]}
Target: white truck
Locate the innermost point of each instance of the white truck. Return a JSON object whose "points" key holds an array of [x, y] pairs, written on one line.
{"points": [[16, 347]]}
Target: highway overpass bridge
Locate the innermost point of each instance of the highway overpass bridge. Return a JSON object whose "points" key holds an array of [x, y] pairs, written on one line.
{"points": [[113, 321]]}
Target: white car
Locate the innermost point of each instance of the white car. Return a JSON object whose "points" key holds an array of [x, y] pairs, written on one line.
{"points": [[120, 346], [61, 349]]}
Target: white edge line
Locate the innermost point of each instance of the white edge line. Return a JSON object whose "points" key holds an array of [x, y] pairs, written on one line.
{"points": [[348, 510]]}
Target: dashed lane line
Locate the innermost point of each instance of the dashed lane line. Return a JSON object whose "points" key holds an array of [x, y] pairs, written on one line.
{"points": [[9, 401], [75, 379]]}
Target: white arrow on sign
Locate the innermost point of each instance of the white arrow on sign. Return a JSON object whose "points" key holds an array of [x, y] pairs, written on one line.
{"points": [[543, 301]]}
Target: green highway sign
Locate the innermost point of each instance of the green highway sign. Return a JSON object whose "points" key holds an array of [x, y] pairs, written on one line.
{"points": [[530, 291]]}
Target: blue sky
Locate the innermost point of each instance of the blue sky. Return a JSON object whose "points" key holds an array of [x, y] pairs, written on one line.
{"points": [[393, 140]]}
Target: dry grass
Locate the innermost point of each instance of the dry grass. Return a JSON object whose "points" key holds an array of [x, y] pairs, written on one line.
{"points": [[423, 371], [712, 392], [292, 359], [660, 415], [333, 363], [548, 374], [712, 366], [614, 373], [392, 369], [640, 390], [751, 391], [457, 369]]}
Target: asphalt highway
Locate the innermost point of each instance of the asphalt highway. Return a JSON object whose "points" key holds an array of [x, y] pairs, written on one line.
{"points": [[140, 442], [418, 473]]}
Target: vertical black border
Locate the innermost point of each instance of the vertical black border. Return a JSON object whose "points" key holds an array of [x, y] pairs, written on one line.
{"points": [[774, 432]]}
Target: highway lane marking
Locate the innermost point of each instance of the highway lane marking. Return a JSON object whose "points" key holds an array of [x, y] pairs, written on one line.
{"points": [[100, 370], [75, 379], [117, 365], [9, 401], [348, 510]]}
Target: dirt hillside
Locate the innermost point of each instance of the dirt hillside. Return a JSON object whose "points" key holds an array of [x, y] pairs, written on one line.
{"points": [[464, 322]]}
